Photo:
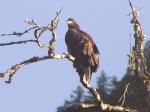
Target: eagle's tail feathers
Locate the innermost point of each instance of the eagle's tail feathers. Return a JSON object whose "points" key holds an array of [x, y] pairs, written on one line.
{"points": [[94, 62]]}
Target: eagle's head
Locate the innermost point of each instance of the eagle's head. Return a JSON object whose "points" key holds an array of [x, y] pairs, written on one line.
{"points": [[72, 24]]}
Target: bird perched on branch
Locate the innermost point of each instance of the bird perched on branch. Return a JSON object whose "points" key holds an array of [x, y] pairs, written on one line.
{"points": [[81, 46]]}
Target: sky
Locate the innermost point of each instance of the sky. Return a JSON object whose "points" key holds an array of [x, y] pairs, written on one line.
{"points": [[43, 86]]}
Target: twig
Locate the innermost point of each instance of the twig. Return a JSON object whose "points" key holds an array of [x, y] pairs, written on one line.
{"points": [[123, 97], [31, 22], [37, 34], [19, 33], [19, 42], [52, 27]]}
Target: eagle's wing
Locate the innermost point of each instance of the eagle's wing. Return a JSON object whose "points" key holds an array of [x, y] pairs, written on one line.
{"points": [[82, 47]]}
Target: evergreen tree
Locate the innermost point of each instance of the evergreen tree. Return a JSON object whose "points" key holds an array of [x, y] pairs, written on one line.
{"points": [[114, 83], [75, 98], [102, 83]]}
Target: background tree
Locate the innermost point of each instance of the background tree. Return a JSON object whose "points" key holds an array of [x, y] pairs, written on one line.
{"points": [[76, 97], [105, 85]]}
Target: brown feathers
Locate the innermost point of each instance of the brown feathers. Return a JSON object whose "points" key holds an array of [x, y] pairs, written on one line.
{"points": [[82, 47]]}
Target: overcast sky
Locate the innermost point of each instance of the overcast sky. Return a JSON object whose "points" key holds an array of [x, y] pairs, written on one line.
{"points": [[43, 86]]}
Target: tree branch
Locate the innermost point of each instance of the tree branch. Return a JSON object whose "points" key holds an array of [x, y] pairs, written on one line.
{"points": [[19, 33], [123, 97], [10, 72], [38, 30], [105, 107], [18, 42]]}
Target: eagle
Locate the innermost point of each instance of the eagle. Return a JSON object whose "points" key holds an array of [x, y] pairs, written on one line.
{"points": [[81, 46]]}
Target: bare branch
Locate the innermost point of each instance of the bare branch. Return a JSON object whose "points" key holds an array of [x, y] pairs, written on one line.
{"points": [[123, 97], [31, 22], [10, 72], [53, 24], [19, 33], [39, 30], [19, 42], [37, 34], [52, 27]]}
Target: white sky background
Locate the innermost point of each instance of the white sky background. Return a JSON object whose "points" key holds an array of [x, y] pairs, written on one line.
{"points": [[43, 86]]}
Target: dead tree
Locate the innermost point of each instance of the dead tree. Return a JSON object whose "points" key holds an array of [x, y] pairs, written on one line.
{"points": [[137, 61]]}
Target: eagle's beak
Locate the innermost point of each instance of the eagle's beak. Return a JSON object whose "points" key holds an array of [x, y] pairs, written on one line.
{"points": [[69, 22]]}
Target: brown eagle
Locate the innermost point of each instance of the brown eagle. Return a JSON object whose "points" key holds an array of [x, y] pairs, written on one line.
{"points": [[81, 46]]}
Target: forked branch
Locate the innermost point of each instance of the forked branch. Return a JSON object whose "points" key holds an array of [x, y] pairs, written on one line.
{"points": [[10, 72]]}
